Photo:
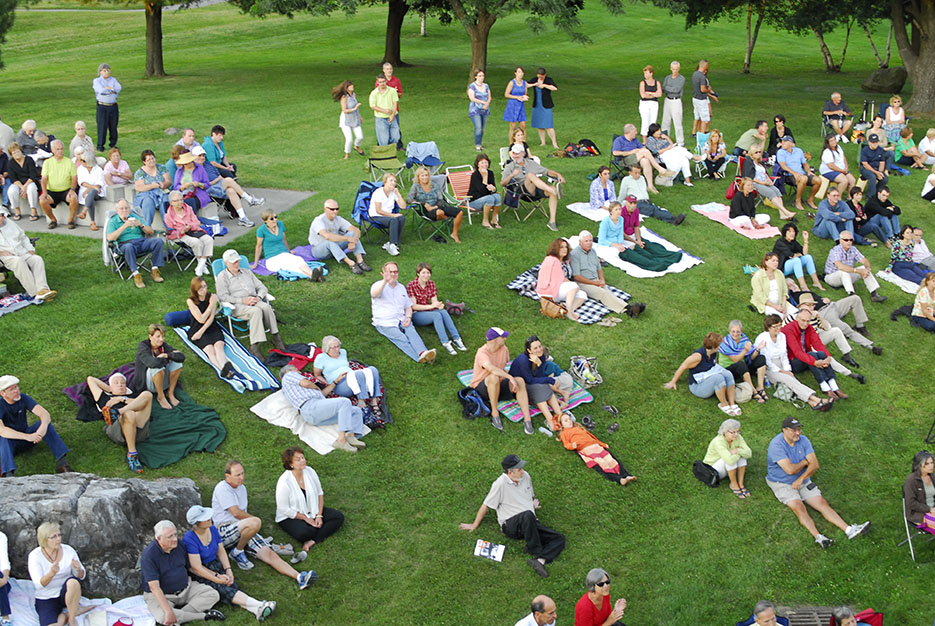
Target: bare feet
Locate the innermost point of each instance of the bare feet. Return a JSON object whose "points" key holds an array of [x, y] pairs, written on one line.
{"points": [[819, 287], [653, 190], [163, 402], [628, 479], [307, 545], [455, 239], [173, 400]]}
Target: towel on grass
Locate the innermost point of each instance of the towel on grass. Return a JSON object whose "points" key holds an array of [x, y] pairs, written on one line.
{"points": [[277, 410], [303, 251], [510, 408], [720, 212], [23, 605], [10, 303], [176, 433], [906, 285], [612, 256], [251, 374], [584, 210], [590, 312]]}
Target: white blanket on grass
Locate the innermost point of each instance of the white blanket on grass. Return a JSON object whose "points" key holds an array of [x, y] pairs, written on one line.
{"points": [[23, 602], [906, 285], [276, 410]]}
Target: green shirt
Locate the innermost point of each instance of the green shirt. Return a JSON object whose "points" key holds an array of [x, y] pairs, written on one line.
{"points": [[386, 100], [901, 145], [131, 233], [748, 139], [59, 173], [719, 449]]}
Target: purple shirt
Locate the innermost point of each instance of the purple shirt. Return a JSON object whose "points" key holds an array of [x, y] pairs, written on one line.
{"points": [[850, 257]]}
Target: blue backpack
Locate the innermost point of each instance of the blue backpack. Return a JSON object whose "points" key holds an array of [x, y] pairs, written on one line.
{"points": [[472, 404]]}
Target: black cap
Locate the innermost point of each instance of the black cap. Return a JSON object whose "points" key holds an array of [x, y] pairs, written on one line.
{"points": [[791, 422], [873, 137], [511, 461]]}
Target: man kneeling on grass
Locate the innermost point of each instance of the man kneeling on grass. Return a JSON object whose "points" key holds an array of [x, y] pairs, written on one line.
{"points": [[515, 502], [126, 413], [791, 461]]}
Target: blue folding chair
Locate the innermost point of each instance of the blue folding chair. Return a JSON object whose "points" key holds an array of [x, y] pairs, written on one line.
{"points": [[361, 211], [234, 324]]}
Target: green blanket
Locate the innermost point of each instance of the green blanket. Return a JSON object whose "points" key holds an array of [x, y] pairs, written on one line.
{"points": [[653, 257], [173, 435]]}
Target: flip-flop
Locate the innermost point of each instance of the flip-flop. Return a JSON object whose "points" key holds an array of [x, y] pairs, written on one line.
{"points": [[607, 322], [497, 225], [746, 492], [488, 226], [587, 422], [739, 493], [725, 409], [17, 217], [610, 409], [33, 218], [615, 320], [613, 427]]}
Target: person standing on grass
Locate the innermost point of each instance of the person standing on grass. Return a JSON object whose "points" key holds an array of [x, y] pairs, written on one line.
{"points": [[702, 94], [791, 462], [512, 497], [478, 92], [349, 122], [672, 87], [106, 90], [395, 84], [383, 103], [542, 106]]}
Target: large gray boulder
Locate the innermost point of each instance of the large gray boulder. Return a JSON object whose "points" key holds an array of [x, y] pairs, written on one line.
{"points": [[108, 521], [888, 80]]}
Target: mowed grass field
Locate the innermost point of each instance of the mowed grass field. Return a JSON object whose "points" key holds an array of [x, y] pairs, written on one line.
{"points": [[680, 553]]}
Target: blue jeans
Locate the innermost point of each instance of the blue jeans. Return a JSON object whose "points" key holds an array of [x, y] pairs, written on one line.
{"points": [[821, 374], [7, 183], [5, 596], [925, 323], [138, 247], [148, 201], [707, 387], [9, 447], [335, 249], [889, 225], [338, 411], [799, 266], [395, 225], [831, 230], [440, 319], [387, 133], [910, 271], [647, 208], [873, 226], [405, 338], [479, 119], [872, 182], [492, 199], [344, 390]]}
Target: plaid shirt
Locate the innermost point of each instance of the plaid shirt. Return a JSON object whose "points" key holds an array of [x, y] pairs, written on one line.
{"points": [[850, 257], [419, 294]]}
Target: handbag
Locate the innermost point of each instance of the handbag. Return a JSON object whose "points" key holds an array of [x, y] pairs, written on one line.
{"points": [[731, 190], [784, 392], [552, 309], [706, 474]]}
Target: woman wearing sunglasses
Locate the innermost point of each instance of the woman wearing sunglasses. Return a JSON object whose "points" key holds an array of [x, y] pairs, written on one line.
{"points": [[594, 609]]}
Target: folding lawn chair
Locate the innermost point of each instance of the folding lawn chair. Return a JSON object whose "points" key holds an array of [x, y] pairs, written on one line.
{"points": [[459, 181], [529, 202], [867, 616], [919, 531], [113, 257], [750, 621], [234, 324], [179, 252], [361, 211], [700, 145], [618, 170], [382, 160], [425, 153], [440, 227]]}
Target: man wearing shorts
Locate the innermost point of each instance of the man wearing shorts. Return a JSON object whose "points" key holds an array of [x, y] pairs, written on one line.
{"points": [[59, 181], [239, 530], [494, 383], [701, 98], [126, 413], [790, 463]]}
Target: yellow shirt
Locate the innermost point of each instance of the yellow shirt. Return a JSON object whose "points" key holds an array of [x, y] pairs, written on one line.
{"points": [[59, 173]]}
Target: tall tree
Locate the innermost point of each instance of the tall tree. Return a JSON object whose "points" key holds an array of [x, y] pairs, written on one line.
{"points": [[7, 13], [154, 64], [914, 30]]}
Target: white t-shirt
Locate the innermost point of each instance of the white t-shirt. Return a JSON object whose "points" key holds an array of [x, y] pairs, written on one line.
{"points": [[223, 498], [926, 145], [390, 308], [39, 566], [777, 358], [836, 158], [929, 183], [93, 177], [386, 203], [4, 556], [530, 620], [337, 226]]}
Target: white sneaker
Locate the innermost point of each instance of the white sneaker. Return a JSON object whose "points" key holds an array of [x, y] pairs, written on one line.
{"points": [[460, 344], [245, 222], [386, 246], [843, 139], [855, 530], [450, 348], [256, 201], [393, 249], [200, 268]]}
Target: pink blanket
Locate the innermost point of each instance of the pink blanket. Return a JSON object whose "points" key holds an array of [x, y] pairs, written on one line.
{"points": [[721, 216]]}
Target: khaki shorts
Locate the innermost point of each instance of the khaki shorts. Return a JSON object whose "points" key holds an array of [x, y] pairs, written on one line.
{"points": [[116, 434], [786, 494]]}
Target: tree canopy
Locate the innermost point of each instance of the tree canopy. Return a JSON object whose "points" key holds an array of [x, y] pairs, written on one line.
{"points": [[7, 13]]}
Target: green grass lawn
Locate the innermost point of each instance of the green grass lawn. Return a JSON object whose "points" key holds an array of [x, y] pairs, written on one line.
{"points": [[680, 553]]}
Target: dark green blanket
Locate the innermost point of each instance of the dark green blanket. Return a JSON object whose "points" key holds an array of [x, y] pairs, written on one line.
{"points": [[653, 257], [173, 435]]}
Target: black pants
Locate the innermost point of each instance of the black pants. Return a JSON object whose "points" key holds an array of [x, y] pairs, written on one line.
{"points": [[107, 118], [713, 166], [612, 476], [741, 367], [821, 374], [332, 519], [541, 542]]}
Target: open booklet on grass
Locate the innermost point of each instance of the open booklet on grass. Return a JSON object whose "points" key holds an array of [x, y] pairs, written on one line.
{"points": [[487, 550]]}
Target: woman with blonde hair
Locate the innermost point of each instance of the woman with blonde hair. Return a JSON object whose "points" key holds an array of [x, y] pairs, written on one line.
{"points": [[57, 573], [431, 198], [349, 122], [382, 203], [715, 154], [923, 309]]}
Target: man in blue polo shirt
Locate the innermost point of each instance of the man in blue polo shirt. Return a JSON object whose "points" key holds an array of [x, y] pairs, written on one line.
{"points": [[873, 165], [170, 595], [628, 150], [16, 434], [796, 169], [790, 463]]}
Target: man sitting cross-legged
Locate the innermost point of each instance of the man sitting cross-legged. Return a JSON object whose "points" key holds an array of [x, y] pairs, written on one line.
{"points": [[126, 413]]}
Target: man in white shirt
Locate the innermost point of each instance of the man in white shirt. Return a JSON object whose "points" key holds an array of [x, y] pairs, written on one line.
{"points": [[927, 147], [19, 256], [332, 235], [542, 613], [635, 185], [920, 251], [392, 315]]}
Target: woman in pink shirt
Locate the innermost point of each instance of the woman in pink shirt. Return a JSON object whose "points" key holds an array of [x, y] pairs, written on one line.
{"points": [[555, 282], [184, 225]]}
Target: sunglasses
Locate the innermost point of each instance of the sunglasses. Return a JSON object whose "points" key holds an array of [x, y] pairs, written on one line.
{"points": [[335, 209], [603, 584], [846, 239]]}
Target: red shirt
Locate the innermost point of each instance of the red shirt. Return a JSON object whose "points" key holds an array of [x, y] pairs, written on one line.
{"points": [[419, 294], [586, 614]]}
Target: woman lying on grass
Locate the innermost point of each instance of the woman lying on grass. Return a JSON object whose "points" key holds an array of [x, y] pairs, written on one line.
{"points": [[593, 451]]}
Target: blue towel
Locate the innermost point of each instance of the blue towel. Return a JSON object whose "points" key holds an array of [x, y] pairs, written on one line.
{"points": [[250, 373]]}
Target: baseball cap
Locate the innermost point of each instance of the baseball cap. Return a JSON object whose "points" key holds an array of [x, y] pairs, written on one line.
{"points": [[791, 422], [511, 461], [198, 150], [630, 198], [873, 137], [198, 513], [8, 381], [517, 148], [494, 332], [788, 138], [231, 256]]}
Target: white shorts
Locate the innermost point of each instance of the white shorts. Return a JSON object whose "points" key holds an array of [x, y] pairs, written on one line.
{"points": [[702, 110]]}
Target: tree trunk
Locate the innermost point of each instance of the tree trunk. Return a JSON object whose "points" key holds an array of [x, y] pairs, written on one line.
{"points": [[874, 47], [751, 38], [154, 66], [847, 38], [479, 32], [422, 24], [397, 10], [825, 52], [917, 52], [889, 47]]}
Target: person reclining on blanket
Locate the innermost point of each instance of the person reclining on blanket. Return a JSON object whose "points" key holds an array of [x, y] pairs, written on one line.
{"points": [[248, 295], [592, 451], [318, 410], [635, 185], [587, 272], [240, 531], [621, 229], [158, 367], [494, 383], [331, 235], [331, 366], [527, 172], [126, 413]]}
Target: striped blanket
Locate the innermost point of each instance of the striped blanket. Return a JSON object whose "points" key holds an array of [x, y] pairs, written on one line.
{"points": [[251, 374], [588, 313], [510, 408]]}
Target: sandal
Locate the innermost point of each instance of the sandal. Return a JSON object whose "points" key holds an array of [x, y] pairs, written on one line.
{"points": [[488, 226], [610, 409], [735, 410], [17, 217], [588, 422], [497, 225], [93, 226], [823, 405], [725, 409], [33, 216], [607, 322], [613, 427], [760, 396], [739, 493], [746, 492]]}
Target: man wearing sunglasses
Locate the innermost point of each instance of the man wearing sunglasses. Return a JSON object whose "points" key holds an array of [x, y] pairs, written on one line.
{"points": [[847, 265], [332, 235]]}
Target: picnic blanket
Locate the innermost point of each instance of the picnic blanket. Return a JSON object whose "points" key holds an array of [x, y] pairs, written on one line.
{"points": [[510, 408], [590, 312], [303, 251], [251, 374], [584, 210], [23, 605], [176, 433], [906, 285], [719, 213], [276, 410], [10, 303], [612, 256]]}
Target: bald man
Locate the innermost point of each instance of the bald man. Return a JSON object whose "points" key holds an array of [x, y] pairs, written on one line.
{"points": [[542, 613]]}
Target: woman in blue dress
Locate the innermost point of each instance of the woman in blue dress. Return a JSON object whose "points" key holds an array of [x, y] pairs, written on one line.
{"points": [[515, 94], [542, 107]]}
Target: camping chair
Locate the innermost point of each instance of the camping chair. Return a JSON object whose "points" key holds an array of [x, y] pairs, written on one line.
{"points": [[113, 257], [234, 324], [919, 531], [180, 252], [700, 145], [361, 211], [782, 621], [440, 227], [618, 170], [867, 616], [459, 181], [382, 160], [425, 153], [530, 202]]}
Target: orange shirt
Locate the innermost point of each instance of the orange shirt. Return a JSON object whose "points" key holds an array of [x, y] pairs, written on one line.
{"points": [[579, 438], [482, 357]]}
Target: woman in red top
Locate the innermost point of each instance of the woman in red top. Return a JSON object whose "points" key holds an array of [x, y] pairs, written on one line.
{"points": [[426, 309], [593, 609]]}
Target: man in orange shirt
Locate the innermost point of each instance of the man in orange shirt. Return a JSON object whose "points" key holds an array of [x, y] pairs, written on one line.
{"points": [[489, 368]]}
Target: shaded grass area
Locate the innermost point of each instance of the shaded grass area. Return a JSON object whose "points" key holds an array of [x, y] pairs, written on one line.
{"points": [[678, 552]]}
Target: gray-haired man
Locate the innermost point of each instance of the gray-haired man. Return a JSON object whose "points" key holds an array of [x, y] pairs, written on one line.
{"points": [[586, 271]]}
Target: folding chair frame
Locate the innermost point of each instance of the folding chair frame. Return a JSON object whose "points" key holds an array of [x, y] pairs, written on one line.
{"points": [[456, 192], [235, 324], [533, 202], [381, 161], [909, 535], [181, 253]]}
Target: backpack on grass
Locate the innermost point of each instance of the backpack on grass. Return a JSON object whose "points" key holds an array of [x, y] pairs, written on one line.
{"points": [[706, 474], [472, 404]]}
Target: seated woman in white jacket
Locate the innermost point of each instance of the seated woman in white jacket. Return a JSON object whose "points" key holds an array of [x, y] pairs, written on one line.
{"points": [[772, 344], [300, 502]]}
